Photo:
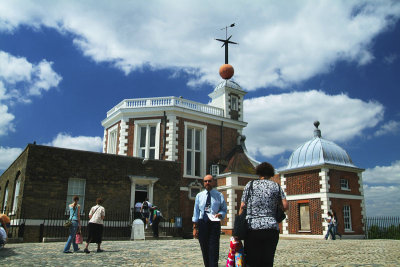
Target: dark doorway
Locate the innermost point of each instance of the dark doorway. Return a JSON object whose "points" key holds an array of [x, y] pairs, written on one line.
{"points": [[140, 196]]}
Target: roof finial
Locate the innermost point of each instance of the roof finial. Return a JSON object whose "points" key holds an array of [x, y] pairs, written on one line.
{"points": [[317, 132]]}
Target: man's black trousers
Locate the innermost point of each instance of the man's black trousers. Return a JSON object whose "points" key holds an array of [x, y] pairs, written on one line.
{"points": [[209, 233]]}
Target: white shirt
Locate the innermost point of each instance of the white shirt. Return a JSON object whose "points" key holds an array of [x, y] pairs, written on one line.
{"points": [[96, 212], [3, 234]]}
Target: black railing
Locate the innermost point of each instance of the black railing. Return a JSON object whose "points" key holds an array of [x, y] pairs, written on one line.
{"points": [[382, 227], [117, 225], [17, 222]]}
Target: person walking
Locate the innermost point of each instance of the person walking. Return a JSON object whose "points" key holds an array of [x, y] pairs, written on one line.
{"points": [[209, 209], [335, 226], [95, 226], [3, 233], [6, 221], [156, 220], [75, 217], [329, 219], [263, 233]]}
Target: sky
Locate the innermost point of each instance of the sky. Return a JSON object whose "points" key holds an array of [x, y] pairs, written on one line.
{"points": [[64, 64]]}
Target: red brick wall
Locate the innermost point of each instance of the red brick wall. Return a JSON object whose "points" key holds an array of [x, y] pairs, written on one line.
{"points": [[303, 183], [315, 216], [243, 180], [356, 217], [239, 194], [352, 178], [276, 178]]}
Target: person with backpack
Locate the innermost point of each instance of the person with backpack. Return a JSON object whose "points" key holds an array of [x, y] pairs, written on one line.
{"points": [[145, 211], [157, 216]]}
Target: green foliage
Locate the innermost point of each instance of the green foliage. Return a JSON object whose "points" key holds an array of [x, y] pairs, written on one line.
{"points": [[391, 232]]}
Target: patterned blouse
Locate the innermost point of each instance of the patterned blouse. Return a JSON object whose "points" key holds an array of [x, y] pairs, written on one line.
{"points": [[262, 204]]}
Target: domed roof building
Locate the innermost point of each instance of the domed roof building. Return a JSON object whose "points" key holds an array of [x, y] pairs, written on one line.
{"points": [[320, 177]]}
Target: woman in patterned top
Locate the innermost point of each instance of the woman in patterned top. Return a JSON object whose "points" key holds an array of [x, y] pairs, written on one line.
{"points": [[263, 235]]}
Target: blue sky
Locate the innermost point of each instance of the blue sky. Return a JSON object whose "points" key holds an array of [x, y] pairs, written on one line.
{"points": [[64, 64]]}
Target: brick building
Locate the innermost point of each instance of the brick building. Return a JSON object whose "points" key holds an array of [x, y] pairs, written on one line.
{"points": [[321, 177]]}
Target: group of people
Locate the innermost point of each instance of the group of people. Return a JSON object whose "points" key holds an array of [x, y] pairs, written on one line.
{"points": [[150, 214], [332, 226], [4, 226], [263, 229], [95, 226]]}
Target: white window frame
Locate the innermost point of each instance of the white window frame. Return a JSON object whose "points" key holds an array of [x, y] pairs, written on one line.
{"points": [[72, 193], [203, 150], [344, 184], [214, 170], [16, 193], [136, 143], [112, 140], [5, 199], [194, 185], [347, 218], [234, 103]]}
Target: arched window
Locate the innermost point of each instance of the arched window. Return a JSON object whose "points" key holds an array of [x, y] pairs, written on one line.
{"points": [[16, 192], [5, 198]]}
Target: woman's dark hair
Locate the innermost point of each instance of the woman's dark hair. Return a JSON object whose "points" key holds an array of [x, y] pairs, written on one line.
{"points": [[75, 198], [99, 200], [265, 170]]}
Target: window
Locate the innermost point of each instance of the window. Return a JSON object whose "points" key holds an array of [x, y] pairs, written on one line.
{"points": [[76, 187], [347, 218], [16, 193], [344, 184], [5, 198], [234, 103], [147, 139], [304, 210], [214, 170], [195, 151], [194, 189], [112, 140]]}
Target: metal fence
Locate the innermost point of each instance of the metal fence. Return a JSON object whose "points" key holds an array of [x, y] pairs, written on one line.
{"points": [[117, 225], [382, 227], [17, 222]]}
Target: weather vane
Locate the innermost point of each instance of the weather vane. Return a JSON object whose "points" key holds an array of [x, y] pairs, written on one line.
{"points": [[226, 41]]}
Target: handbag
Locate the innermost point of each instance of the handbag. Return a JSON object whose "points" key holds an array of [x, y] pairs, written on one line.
{"points": [[68, 223], [240, 226], [280, 213], [78, 238]]}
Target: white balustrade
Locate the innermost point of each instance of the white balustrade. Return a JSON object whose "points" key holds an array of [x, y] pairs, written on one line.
{"points": [[166, 102]]}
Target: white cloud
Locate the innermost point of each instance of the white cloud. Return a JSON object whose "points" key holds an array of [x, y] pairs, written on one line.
{"points": [[8, 155], [390, 58], [86, 143], [19, 81], [284, 42], [389, 127], [382, 200], [383, 174], [279, 123]]}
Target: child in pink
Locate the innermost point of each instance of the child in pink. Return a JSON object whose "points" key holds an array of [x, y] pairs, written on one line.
{"points": [[235, 256]]}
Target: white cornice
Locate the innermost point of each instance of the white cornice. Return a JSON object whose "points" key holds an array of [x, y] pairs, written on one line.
{"points": [[321, 195], [177, 111]]}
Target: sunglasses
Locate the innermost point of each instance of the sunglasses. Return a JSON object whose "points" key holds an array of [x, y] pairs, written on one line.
{"points": [[208, 181]]}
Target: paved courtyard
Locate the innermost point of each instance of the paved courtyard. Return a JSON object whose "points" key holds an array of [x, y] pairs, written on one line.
{"points": [[299, 252]]}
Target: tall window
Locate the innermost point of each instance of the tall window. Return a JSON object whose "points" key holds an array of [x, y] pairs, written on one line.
{"points": [[147, 139], [304, 210], [234, 103], [347, 218], [195, 150], [5, 198], [76, 187], [147, 146], [112, 141], [16, 193]]}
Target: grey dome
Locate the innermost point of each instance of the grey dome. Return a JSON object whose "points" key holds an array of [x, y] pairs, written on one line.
{"points": [[319, 151], [228, 83]]}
